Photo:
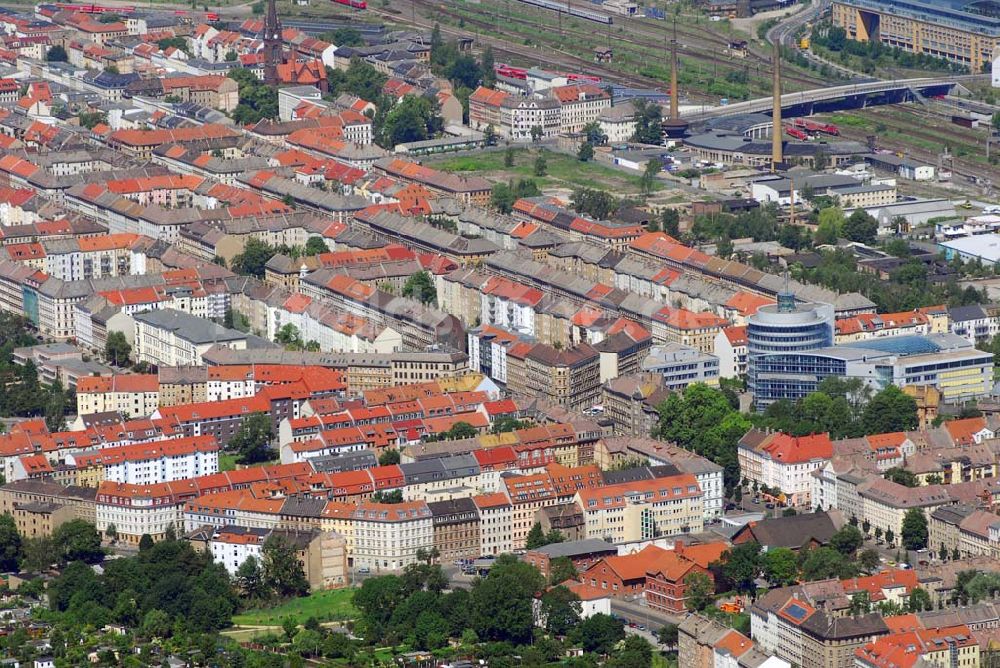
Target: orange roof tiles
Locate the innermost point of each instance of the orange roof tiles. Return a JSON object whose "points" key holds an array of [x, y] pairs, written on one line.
{"points": [[797, 449], [118, 383], [963, 431]]}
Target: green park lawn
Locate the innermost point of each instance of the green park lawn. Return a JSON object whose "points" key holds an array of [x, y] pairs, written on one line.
{"points": [[326, 605], [563, 170]]}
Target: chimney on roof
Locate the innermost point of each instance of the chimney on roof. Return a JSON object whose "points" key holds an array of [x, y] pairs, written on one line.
{"points": [[776, 150], [679, 548]]}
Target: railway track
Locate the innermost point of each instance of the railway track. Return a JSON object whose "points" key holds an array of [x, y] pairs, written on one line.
{"points": [[658, 38], [504, 46], [931, 127], [657, 41]]}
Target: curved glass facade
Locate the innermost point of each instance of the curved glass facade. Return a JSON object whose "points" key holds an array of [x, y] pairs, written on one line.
{"points": [[786, 327]]}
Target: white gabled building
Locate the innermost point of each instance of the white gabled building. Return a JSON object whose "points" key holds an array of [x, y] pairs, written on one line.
{"points": [[731, 349], [232, 545], [784, 462]]}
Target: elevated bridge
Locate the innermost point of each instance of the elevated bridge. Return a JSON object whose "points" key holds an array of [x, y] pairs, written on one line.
{"points": [[839, 98]]}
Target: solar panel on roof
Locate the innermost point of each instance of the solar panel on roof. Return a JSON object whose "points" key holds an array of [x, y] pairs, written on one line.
{"points": [[796, 612]]}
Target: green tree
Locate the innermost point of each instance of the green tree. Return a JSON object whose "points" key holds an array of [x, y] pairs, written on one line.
{"points": [[669, 634], [56, 54], [117, 349], [919, 600], [869, 559], [598, 633], [508, 157], [10, 544], [252, 441], [536, 135], [561, 569], [561, 610], [487, 65], [175, 42], [847, 540], [901, 476], [250, 580], [670, 221], [781, 566], [501, 603], [742, 564], [647, 181], [343, 37], [861, 227], [861, 603], [595, 135], [78, 540], [825, 562], [541, 166], [415, 118], [55, 408], [586, 152], [536, 537], [502, 198], [289, 337], [489, 135], [889, 411], [255, 255], [388, 457], [316, 246], [701, 419], [598, 204], [145, 542], [699, 592], [635, 652], [90, 120], [914, 534], [281, 567], [830, 222], [257, 100], [394, 496], [420, 286], [648, 123], [156, 624]]}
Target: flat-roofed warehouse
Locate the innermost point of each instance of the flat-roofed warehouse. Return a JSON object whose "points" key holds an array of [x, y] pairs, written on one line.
{"points": [[962, 31]]}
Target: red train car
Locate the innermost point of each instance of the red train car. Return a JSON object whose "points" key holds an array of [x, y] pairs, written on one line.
{"points": [[96, 9], [813, 126], [510, 72], [583, 77], [797, 133], [353, 4]]}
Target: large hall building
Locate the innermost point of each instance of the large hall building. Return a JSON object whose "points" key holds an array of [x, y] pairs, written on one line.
{"points": [[962, 31]]}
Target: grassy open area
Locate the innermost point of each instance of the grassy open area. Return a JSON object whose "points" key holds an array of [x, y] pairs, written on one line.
{"points": [[563, 170], [227, 462], [327, 605]]}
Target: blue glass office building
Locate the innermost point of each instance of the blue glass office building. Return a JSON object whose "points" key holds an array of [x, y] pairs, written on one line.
{"points": [[786, 327], [945, 361]]}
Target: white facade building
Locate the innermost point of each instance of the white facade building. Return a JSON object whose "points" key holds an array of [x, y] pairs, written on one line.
{"points": [[388, 535]]}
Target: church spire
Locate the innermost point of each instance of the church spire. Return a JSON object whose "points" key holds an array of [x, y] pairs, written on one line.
{"points": [[273, 55]]}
